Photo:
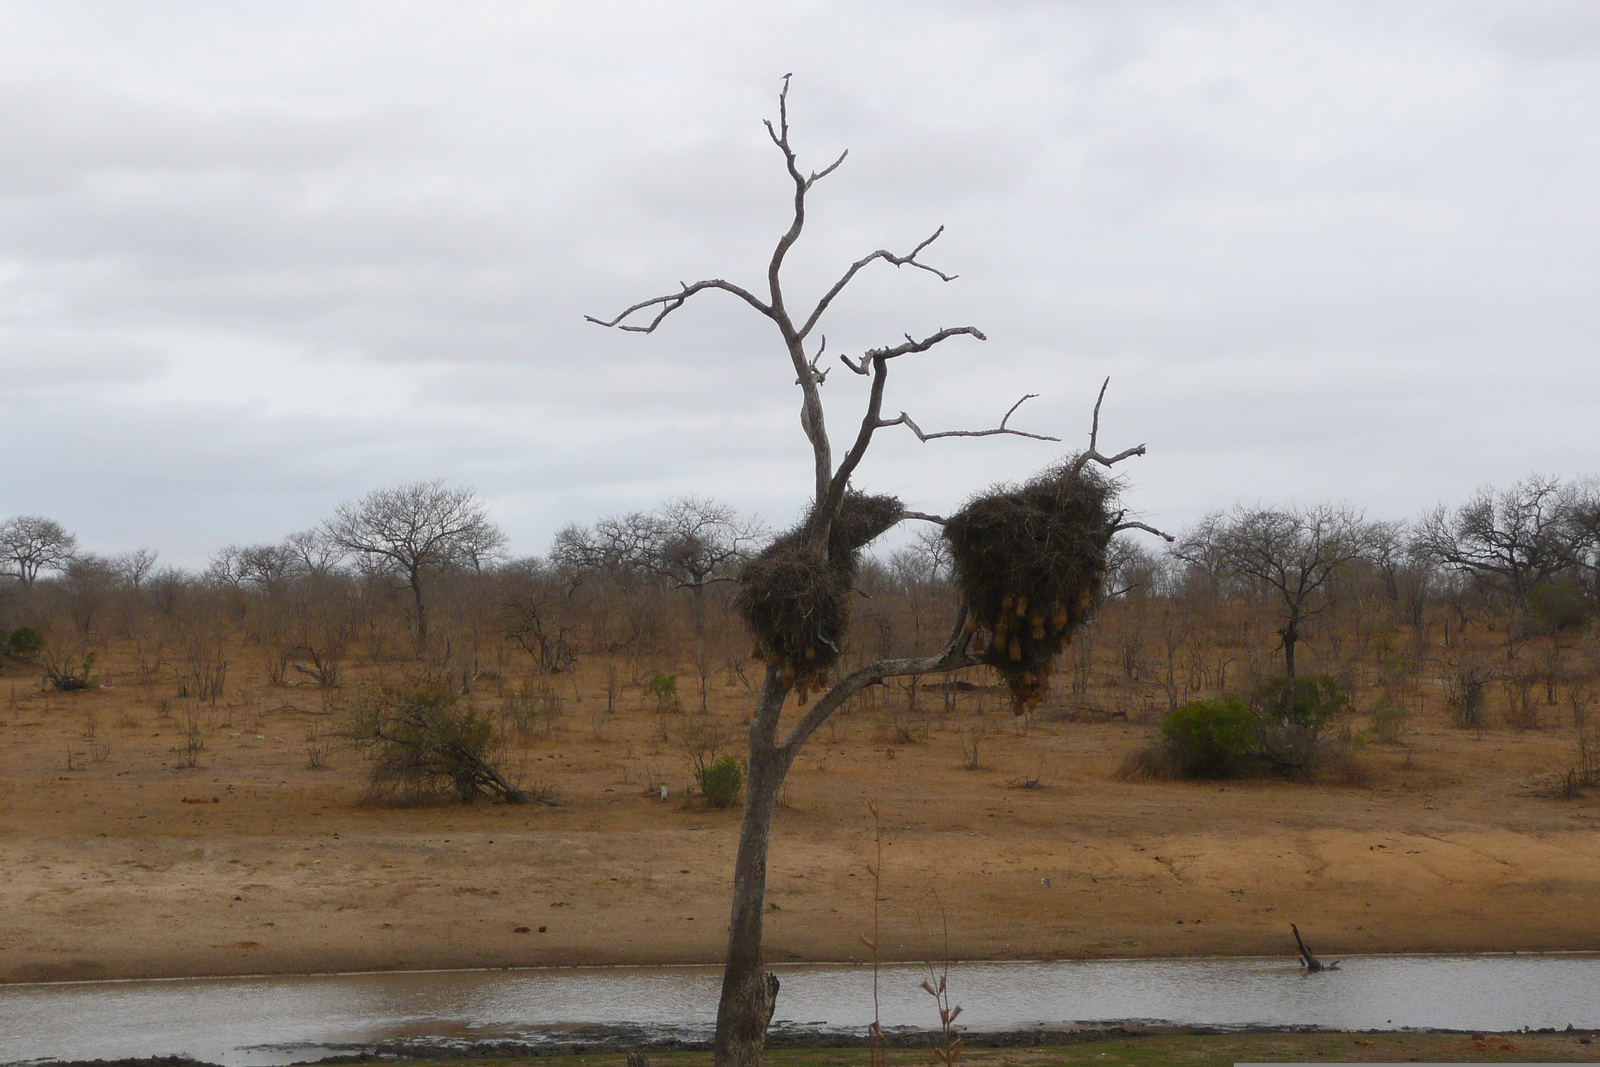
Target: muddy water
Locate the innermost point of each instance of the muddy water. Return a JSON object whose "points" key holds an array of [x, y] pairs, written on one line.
{"points": [[278, 1020]]}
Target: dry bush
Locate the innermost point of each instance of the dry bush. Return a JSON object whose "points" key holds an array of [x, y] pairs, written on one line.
{"points": [[1152, 761], [193, 742], [69, 672], [425, 746], [318, 746], [899, 724], [971, 739], [1340, 766], [533, 707], [704, 740]]}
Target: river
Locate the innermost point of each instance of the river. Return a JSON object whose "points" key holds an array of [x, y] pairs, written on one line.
{"points": [[262, 1021]]}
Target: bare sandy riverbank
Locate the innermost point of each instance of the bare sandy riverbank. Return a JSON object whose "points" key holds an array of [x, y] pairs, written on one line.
{"points": [[124, 866]]}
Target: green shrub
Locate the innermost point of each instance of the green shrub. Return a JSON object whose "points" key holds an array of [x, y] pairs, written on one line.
{"points": [[24, 643], [1210, 738], [1389, 721], [721, 782], [1558, 605], [664, 687], [1290, 720]]}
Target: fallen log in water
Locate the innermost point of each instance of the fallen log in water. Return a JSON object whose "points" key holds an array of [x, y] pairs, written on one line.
{"points": [[1308, 959]]}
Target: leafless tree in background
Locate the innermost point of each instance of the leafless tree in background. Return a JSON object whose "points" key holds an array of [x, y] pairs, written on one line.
{"points": [[316, 552], [414, 531], [31, 544], [88, 581], [690, 541], [1295, 552], [1514, 538], [135, 566], [536, 613], [693, 541]]}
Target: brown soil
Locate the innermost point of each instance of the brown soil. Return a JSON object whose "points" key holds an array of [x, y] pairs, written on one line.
{"points": [[117, 863]]}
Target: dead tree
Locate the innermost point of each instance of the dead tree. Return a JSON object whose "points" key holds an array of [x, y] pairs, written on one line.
{"points": [[1297, 553], [816, 560], [1308, 959], [415, 531]]}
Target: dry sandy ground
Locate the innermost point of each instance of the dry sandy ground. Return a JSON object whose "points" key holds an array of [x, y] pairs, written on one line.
{"points": [[112, 869]]}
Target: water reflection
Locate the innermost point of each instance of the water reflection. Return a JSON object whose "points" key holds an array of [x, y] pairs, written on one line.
{"points": [[263, 1021]]}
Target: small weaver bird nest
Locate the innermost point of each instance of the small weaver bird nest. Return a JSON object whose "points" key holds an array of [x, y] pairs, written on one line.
{"points": [[796, 605], [1031, 561]]}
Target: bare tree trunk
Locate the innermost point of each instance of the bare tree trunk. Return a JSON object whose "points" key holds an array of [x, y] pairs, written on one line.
{"points": [[1291, 637], [422, 611], [748, 994], [698, 607]]}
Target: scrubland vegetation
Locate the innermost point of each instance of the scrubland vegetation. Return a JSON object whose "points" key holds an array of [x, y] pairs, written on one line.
{"points": [[1477, 617], [238, 758]]}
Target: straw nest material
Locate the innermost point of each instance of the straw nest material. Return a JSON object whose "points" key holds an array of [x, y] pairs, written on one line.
{"points": [[1030, 561], [796, 605]]}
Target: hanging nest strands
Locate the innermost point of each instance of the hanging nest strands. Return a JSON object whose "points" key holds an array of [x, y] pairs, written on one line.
{"points": [[797, 606], [1030, 561]]}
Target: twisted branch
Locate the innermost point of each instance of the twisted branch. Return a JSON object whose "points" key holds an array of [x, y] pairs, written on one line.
{"points": [[1147, 529], [872, 421], [673, 301], [883, 254], [906, 421]]}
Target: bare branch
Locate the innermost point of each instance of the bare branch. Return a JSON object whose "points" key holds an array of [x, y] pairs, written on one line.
{"points": [[954, 657], [1094, 427], [1012, 410], [925, 517], [906, 421], [1094, 434], [923, 345], [713, 580], [781, 139], [883, 254], [1147, 529], [817, 175], [872, 421], [674, 301]]}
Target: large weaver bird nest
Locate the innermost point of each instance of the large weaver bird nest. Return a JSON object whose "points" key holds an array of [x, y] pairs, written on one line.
{"points": [[1030, 561], [796, 605]]}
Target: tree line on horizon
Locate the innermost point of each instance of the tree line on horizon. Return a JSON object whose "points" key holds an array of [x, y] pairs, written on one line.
{"points": [[419, 573]]}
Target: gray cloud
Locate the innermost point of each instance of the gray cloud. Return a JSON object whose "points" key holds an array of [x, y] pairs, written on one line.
{"points": [[258, 259]]}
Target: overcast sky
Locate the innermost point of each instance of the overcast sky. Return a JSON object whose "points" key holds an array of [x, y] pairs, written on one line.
{"points": [[256, 259]]}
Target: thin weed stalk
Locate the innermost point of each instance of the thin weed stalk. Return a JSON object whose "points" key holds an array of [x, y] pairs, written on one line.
{"points": [[948, 1051], [875, 1051]]}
